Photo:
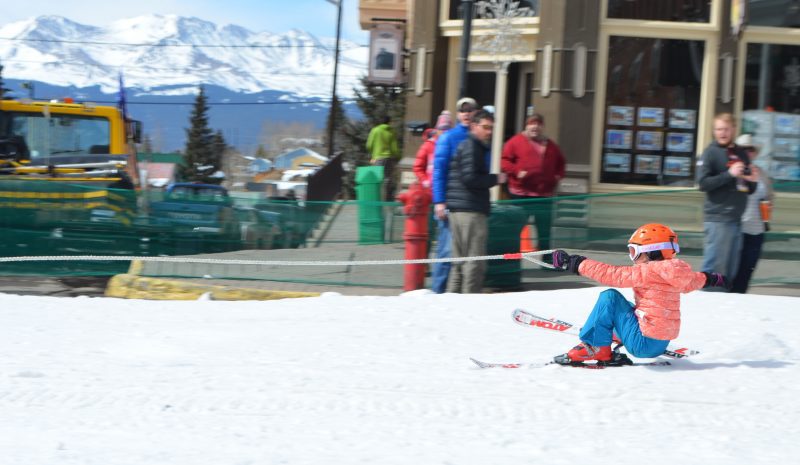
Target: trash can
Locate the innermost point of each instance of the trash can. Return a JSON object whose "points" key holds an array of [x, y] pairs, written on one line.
{"points": [[505, 224], [370, 207]]}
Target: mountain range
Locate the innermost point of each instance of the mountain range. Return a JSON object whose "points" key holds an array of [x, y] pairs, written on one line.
{"points": [[251, 78]]}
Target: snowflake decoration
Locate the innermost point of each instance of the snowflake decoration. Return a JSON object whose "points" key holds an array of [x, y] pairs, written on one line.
{"points": [[504, 41]]}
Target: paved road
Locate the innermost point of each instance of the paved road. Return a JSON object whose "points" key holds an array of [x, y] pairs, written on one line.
{"points": [[92, 286]]}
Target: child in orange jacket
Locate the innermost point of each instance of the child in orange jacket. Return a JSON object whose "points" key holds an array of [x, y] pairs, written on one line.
{"points": [[658, 279]]}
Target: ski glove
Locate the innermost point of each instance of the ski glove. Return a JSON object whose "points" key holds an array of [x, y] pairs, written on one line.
{"points": [[566, 262], [716, 280]]}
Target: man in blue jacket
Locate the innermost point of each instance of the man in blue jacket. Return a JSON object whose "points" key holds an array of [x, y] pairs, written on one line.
{"points": [[445, 150]]}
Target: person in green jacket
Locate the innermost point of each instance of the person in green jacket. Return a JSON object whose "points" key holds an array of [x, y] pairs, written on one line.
{"points": [[382, 146]]}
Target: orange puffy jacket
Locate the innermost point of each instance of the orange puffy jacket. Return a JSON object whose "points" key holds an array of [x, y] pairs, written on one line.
{"points": [[657, 288]]}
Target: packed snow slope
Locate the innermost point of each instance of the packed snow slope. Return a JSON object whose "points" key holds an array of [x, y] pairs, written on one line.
{"points": [[386, 380]]}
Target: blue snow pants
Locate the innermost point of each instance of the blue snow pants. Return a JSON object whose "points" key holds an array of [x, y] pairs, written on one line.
{"points": [[441, 271], [614, 314]]}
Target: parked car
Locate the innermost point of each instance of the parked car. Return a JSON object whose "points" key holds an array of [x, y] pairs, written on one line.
{"points": [[257, 231], [200, 217], [287, 214]]}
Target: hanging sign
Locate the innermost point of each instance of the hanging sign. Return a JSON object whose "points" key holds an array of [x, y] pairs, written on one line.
{"points": [[386, 55]]}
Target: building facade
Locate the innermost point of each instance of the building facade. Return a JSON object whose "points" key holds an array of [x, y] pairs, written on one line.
{"points": [[629, 88]]}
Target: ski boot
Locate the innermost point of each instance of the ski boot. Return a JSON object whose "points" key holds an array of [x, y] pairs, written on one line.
{"points": [[618, 359], [584, 352]]}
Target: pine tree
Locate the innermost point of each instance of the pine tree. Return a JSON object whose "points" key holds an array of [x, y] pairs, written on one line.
{"points": [[261, 152], [199, 154], [147, 144], [3, 90], [219, 147], [374, 101]]}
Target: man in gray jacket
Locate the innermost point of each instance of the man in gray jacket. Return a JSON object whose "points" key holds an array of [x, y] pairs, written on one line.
{"points": [[725, 177], [468, 184]]}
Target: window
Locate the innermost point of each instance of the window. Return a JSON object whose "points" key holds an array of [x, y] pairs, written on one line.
{"points": [[690, 11], [652, 97], [457, 9], [776, 13], [60, 134], [771, 107]]}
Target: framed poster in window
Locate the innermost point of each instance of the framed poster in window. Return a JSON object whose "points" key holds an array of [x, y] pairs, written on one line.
{"points": [[677, 166], [649, 140], [651, 117], [787, 124], [785, 171], [620, 116], [618, 138], [784, 146], [680, 142], [617, 162], [682, 119], [648, 164]]}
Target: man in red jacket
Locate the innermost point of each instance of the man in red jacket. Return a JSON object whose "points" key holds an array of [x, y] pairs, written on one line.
{"points": [[534, 165]]}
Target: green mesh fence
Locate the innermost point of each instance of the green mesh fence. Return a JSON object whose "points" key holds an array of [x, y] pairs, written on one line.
{"points": [[40, 218]]}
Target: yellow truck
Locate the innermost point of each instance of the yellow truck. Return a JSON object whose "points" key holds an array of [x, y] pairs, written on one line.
{"points": [[62, 141], [64, 166]]}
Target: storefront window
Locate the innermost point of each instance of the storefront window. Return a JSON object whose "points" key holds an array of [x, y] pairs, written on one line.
{"points": [[457, 9], [776, 13], [772, 108], [652, 97], [688, 11]]}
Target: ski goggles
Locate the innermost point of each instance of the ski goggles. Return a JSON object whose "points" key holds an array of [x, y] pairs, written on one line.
{"points": [[635, 250]]}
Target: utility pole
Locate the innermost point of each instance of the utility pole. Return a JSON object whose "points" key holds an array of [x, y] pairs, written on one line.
{"points": [[334, 100], [466, 37]]}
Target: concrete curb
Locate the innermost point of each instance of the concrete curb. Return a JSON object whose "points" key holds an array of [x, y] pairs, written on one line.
{"points": [[131, 286]]}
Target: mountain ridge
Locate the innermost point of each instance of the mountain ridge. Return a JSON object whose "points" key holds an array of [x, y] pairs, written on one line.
{"points": [[252, 79], [153, 51]]}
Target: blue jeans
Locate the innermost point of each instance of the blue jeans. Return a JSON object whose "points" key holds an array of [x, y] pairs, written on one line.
{"points": [[614, 314], [441, 270], [722, 244]]}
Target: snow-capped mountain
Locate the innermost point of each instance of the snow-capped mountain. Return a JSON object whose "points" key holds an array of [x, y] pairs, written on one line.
{"points": [[169, 54]]}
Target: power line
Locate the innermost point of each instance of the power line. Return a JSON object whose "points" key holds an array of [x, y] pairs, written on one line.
{"points": [[281, 102], [126, 44], [158, 68]]}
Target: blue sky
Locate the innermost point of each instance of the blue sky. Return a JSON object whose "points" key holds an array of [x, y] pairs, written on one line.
{"points": [[315, 16]]}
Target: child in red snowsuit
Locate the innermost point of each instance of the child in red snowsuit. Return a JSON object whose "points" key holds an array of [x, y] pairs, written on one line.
{"points": [[658, 279]]}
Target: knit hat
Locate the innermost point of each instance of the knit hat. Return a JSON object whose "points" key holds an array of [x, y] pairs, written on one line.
{"points": [[445, 121]]}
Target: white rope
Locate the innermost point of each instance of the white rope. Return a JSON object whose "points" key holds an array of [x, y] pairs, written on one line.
{"points": [[64, 258]]}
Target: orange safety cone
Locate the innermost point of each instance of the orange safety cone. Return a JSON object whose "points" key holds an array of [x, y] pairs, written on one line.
{"points": [[525, 240]]}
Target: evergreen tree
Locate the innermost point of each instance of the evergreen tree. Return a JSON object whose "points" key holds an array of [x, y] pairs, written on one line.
{"points": [[219, 147], [3, 90], [261, 152], [199, 154], [374, 101], [147, 144]]}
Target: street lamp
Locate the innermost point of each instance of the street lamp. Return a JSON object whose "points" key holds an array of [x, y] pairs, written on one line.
{"points": [[334, 102]]}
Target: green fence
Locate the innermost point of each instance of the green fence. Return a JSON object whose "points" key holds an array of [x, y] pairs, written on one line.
{"points": [[39, 218]]}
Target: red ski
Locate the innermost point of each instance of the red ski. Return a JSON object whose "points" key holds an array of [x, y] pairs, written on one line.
{"points": [[526, 318], [590, 366]]}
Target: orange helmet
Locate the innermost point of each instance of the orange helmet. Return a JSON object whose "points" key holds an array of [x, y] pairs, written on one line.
{"points": [[652, 237]]}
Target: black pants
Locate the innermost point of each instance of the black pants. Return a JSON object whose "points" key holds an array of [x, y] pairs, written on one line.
{"points": [[751, 251], [388, 177], [541, 208]]}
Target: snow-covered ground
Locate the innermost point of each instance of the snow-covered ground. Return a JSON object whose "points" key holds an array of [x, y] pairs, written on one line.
{"points": [[386, 380]]}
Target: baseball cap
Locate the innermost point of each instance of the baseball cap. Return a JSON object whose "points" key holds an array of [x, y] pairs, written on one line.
{"points": [[746, 140], [466, 104]]}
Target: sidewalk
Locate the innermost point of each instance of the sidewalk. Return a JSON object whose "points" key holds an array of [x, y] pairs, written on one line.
{"points": [[188, 281], [235, 282]]}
